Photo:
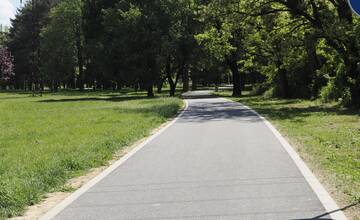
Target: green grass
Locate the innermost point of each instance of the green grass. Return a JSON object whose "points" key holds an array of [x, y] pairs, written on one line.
{"points": [[326, 135], [46, 140]]}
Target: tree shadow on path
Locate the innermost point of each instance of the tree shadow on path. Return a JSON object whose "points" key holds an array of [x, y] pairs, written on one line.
{"points": [[321, 217]]}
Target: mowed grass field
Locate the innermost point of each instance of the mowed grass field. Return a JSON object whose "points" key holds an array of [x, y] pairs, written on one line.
{"points": [[326, 136], [44, 141]]}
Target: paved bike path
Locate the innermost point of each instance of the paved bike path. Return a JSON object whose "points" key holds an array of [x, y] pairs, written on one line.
{"points": [[218, 161]]}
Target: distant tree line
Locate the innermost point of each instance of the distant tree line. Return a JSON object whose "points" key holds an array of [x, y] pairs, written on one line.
{"points": [[289, 49]]}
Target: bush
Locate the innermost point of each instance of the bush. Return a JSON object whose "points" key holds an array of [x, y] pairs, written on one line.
{"points": [[335, 90], [331, 92], [269, 93]]}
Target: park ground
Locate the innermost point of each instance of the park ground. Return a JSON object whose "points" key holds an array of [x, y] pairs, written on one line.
{"points": [[44, 141], [326, 136]]}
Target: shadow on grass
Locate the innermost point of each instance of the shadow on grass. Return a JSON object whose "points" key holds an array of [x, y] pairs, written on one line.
{"points": [[282, 109], [275, 112], [110, 99], [71, 92], [87, 93]]}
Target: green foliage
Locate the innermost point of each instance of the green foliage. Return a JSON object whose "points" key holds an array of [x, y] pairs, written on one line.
{"points": [[288, 49], [59, 43], [217, 41], [3, 39], [336, 89], [24, 41], [332, 92], [45, 141], [115, 43]]}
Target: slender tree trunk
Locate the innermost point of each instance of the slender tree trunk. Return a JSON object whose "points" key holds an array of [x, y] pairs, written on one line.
{"points": [[194, 85], [169, 77], [52, 84], [185, 76], [80, 57], [118, 85], [81, 73], [313, 64], [160, 85], [150, 91]]}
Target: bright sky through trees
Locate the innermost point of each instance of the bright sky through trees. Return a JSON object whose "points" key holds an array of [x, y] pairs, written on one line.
{"points": [[8, 9]]}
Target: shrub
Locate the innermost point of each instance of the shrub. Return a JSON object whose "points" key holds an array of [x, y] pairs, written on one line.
{"points": [[335, 90], [269, 93]]}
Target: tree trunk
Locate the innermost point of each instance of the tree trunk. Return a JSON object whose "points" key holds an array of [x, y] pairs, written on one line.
{"points": [[80, 57], [160, 85], [194, 85], [242, 81], [118, 85], [172, 87], [354, 73], [284, 84], [150, 91], [355, 94], [169, 77], [236, 77], [185, 79]]}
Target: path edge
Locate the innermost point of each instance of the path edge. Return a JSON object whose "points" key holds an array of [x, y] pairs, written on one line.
{"points": [[325, 198], [79, 192]]}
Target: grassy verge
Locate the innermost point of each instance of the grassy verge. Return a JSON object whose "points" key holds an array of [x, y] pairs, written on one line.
{"points": [[326, 136], [46, 140]]}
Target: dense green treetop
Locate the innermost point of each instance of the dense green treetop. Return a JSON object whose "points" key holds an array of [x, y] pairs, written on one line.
{"points": [[298, 48]]}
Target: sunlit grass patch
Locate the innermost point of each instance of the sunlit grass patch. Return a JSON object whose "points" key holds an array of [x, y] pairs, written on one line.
{"points": [[46, 140]]}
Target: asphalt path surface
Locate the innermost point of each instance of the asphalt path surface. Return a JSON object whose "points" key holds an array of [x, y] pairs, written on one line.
{"points": [[218, 161]]}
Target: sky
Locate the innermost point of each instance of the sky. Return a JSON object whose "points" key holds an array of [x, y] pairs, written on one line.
{"points": [[8, 10]]}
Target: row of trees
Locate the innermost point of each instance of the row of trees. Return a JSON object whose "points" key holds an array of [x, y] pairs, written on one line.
{"points": [[104, 44], [305, 48], [289, 49]]}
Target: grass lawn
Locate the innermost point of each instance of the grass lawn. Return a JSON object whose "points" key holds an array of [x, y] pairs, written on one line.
{"points": [[46, 140], [326, 136]]}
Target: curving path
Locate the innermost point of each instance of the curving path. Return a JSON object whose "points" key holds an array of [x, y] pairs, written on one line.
{"points": [[218, 161]]}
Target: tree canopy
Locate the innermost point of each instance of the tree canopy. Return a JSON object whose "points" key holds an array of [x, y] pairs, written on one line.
{"points": [[289, 49]]}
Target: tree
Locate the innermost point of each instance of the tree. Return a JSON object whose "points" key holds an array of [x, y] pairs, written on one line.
{"points": [[290, 49], [328, 21], [3, 39], [24, 43], [6, 66], [62, 45], [223, 37]]}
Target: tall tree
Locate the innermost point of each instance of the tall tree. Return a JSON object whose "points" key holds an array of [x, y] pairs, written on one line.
{"points": [[223, 36], [24, 42], [6, 66], [62, 45]]}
